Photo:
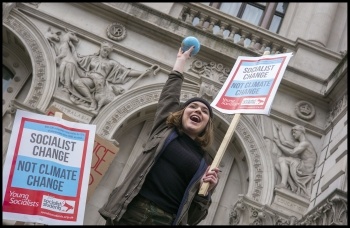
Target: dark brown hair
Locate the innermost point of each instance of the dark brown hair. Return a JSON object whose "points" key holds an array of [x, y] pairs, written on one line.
{"points": [[204, 139]]}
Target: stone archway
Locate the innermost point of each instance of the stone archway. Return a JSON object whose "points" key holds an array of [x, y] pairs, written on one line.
{"points": [[43, 64], [261, 168], [258, 158]]}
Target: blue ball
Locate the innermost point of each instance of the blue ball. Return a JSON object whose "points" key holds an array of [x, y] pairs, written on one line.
{"points": [[189, 42]]}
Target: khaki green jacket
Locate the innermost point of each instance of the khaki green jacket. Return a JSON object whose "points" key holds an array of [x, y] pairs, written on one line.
{"points": [[193, 208]]}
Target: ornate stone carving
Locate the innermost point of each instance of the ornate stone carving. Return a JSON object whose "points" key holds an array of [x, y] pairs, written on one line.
{"points": [[72, 112], [305, 110], [208, 91], [130, 106], [256, 215], [39, 62], [91, 81], [258, 168], [215, 71], [11, 110], [289, 203], [246, 211], [333, 212], [53, 38], [235, 214], [337, 108], [296, 175], [116, 31], [124, 110], [212, 76]]}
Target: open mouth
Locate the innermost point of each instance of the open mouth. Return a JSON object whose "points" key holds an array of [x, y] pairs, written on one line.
{"points": [[195, 119]]}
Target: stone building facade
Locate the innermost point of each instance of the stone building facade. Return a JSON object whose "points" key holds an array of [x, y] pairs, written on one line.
{"points": [[38, 39]]}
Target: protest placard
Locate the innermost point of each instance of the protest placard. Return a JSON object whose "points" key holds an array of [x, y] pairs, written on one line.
{"points": [[250, 88], [46, 170], [252, 84], [103, 154]]}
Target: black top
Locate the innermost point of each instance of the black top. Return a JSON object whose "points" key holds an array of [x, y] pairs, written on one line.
{"points": [[168, 179]]}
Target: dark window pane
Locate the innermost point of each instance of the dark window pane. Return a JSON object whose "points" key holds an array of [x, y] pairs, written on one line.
{"points": [[282, 7], [275, 24], [265, 14]]}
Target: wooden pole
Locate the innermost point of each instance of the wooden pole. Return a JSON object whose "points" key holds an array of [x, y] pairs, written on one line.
{"points": [[203, 191], [59, 114]]}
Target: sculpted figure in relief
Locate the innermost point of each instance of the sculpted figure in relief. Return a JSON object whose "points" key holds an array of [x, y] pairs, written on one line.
{"points": [[297, 161], [92, 80]]}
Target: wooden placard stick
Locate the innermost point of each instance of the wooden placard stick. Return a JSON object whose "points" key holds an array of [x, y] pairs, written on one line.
{"points": [[58, 114], [203, 191]]}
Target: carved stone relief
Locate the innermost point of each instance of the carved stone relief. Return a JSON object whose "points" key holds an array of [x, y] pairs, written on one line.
{"points": [[305, 110], [116, 31], [208, 91], [245, 211], [296, 161], [215, 71], [90, 81], [337, 108], [331, 212], [128, 107], [256, 165], [212, 74], [11, 111], [53, 38], [39, 79], [334, 212]]}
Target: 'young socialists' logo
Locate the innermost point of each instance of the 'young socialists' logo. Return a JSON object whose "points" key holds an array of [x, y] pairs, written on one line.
{"points": [[22, 199], [58, 205]]}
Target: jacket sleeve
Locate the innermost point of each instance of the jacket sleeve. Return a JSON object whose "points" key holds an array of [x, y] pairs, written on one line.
{"points": [[199, 209], [169, 99]]}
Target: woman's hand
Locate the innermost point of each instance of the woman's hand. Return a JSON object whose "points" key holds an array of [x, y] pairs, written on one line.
{"points": [[181, 59], [186, 54], [212, 177]]}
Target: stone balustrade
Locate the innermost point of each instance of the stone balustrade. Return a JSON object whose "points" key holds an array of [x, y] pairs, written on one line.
{"points": [[234, 29]]}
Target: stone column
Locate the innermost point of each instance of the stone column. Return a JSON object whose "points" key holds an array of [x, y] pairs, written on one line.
{"points": [[321, 22]]}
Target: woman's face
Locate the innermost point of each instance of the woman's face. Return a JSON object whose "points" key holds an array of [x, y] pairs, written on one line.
{"points": [[195, 118]]}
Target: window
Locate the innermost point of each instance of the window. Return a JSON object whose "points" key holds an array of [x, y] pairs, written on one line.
{"points": [[7, 77], [268, 15]]}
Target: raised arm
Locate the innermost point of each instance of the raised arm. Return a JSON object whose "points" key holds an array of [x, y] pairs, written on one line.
{"points": [[169, 99], [181, 60], [282, 138]]}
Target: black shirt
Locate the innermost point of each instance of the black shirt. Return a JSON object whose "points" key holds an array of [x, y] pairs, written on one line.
{"points": [[168, 179]]}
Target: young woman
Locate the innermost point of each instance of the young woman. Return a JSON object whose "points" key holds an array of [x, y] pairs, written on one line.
{"points": [[162, 186]]}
